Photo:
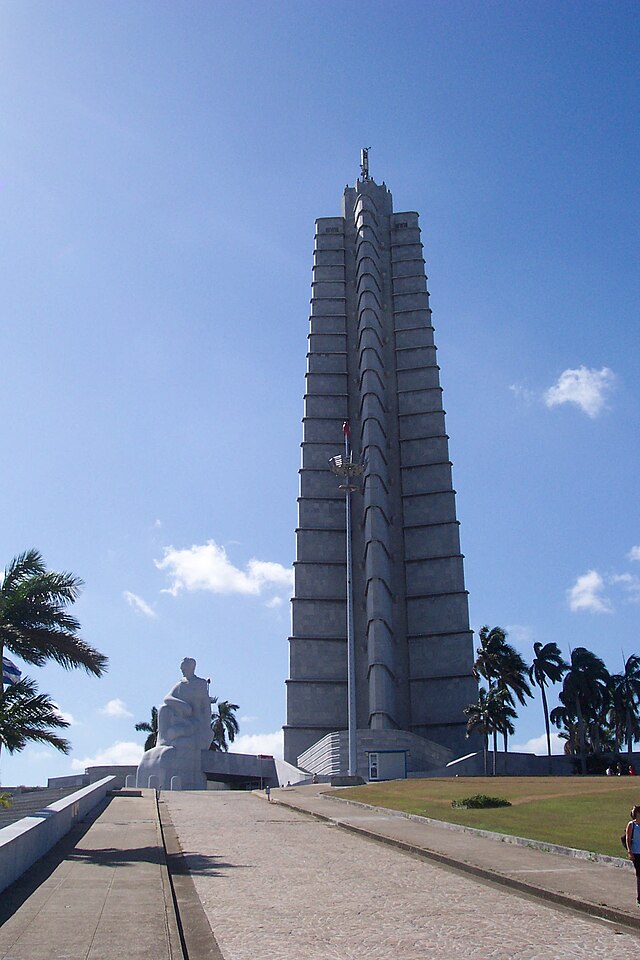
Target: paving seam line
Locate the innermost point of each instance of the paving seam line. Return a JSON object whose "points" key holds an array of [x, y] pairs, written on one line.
{"points": [[542, 845], [196, 936], [590, 910], [173, 927]]}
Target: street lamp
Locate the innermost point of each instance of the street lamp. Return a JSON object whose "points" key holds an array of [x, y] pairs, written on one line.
{"points": [[344, 467]]}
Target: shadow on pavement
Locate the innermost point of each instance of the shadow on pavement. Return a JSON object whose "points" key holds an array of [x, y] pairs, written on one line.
{"points": [[184, 863], [21, 889]]}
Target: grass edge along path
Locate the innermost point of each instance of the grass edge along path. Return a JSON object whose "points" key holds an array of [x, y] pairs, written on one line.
{"points": [[587, 813]]}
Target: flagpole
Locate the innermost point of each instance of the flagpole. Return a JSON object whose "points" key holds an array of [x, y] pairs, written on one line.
{"points": [[345, 467]]}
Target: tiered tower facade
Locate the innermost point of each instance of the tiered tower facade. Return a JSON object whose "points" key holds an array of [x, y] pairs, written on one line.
{"points": [[372, 361]]}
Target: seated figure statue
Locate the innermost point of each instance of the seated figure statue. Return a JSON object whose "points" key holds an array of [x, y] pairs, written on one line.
{"points": [[184, 730]]}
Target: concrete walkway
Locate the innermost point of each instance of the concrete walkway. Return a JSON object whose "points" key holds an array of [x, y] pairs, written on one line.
{"points": [[103, 893], [280, 884], [299, 877], [597, 889]]}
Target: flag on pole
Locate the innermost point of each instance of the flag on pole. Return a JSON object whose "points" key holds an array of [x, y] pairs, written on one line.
{"points": [[10, 673]]}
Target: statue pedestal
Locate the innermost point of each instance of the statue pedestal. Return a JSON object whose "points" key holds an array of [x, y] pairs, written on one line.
{"points": [[164, 763]]}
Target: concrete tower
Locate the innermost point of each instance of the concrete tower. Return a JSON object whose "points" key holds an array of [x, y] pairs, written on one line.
{"points": [[372, 361]]}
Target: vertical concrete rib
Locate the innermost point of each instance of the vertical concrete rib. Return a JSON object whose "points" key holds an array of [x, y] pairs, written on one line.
{"points": [[371, 219]]}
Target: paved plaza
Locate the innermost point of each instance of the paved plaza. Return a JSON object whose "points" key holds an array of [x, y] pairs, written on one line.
{"points": [[281, 885], [265, 880]]}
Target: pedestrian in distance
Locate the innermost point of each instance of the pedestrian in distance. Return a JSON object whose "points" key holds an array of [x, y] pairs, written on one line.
{"points": [[633, 845], [267, 790]]}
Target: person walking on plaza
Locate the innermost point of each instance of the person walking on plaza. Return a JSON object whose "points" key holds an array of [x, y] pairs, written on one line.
{"points": [[633, 845]]}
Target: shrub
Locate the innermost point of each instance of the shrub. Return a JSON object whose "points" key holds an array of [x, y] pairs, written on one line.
{"points": [[479, 801]]}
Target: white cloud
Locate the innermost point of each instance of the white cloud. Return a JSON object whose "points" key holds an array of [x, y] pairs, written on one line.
{"points": [[274, 602], [539, 745], [138, 604], [586, 594], [634, 553], [65, 715], [631, 583], [583, 387], [120, 753], [42, 755], [207, 567], [269, 743], [521, 392], [520, 634], [116, 708], [248, 719]]}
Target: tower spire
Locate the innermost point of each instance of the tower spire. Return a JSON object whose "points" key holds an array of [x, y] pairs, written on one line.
{"points": [[364, 163]]}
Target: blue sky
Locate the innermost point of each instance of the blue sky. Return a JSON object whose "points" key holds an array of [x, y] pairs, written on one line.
{"points": [[162, 165]]}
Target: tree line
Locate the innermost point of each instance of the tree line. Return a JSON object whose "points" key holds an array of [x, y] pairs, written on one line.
{"points": [[599, 711]]}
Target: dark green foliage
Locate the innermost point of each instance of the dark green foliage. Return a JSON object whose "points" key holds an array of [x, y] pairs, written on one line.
{"points": [[480, 801], [492, 713], [27, 716], [547, 665], [35, 624], [151, 728], [584, 703], [505, 671], [223, 724]]}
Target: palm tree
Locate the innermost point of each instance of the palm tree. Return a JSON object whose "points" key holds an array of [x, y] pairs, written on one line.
{"points": [[35, 624], [512, 680], [616, 710], [492, 643], [26, 716], [223, 724], [583, 692], [504, 715], [151, 728], [547, 665], [505, 671], [630, 690], [564, 718], [479, 721], [490, 714]]}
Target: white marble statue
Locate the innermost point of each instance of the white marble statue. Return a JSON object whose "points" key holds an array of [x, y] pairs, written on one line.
{"points": [[184, 730]]}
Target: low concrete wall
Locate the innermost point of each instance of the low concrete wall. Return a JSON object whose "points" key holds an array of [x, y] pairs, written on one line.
{"points": [[509, 765], [93, 774], [24, 842]]}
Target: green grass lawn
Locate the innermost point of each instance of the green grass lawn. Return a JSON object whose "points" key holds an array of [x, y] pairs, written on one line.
{"points": [[589, 813]]}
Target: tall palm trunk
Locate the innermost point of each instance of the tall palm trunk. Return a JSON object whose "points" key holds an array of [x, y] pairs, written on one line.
{"points": [[505, 738], [547, 729], [582, 738]]}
